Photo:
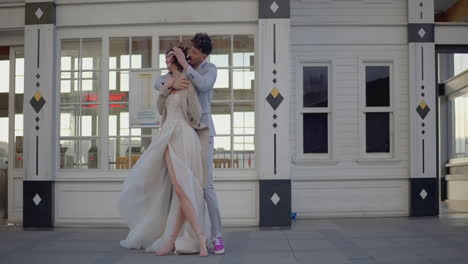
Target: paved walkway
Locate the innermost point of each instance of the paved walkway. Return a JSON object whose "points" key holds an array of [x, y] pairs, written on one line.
{"points": [[327, 241]]}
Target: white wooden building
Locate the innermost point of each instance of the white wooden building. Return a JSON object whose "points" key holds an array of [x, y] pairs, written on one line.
{"points": [[322, 108]]}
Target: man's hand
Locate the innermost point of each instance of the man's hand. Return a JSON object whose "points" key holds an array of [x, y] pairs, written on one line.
{"points": [[181, 57], [181, 84], [169, 82]]}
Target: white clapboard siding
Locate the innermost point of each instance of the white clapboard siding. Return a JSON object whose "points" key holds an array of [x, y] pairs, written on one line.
{"points": [[349, 12], [343, 33]]}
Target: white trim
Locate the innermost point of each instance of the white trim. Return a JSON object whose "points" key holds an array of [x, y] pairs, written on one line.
{"points": [[313, 159]]}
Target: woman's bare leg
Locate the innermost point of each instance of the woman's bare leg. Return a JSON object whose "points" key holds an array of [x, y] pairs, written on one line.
{"points": [[170, 244], [186, 206]]}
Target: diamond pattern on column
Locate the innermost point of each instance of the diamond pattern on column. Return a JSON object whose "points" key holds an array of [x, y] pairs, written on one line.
{"points": [[423, 109], [275, 199], [39, 13], [37, 102], [37, 199], [274, 98], [423, 194], [422, 32], [274, 7]]}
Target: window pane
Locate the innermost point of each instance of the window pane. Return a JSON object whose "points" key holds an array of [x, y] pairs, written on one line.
{"points": [[221, 86], [221, 49], [221, 118], [186, 41], [89, 154], [315, 85], [459, 137], [315, 133], [244, 119], [4, 76], [377, 86], [117, 157], [70, 53], [119, 54], [222, 153], [69, 154], [119, 81], [19, 72], [460, 62], [243, 55], [89, 120], [91, 57], [377, 132], [90, 83], [165, 43], [69, 122], [69, 89], [243, 84], [18, 140], [141, 52]]}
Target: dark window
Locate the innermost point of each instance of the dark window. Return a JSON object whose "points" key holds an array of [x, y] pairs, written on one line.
{"points": [[316, 133], [377, 86], [315, 86], [377, 132]]}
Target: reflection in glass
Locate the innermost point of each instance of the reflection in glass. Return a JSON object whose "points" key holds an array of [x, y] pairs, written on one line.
{"points": [[141, 52], [119, 54], [221, 50], [69, 157], [19, 72], [91, 57], [243, 55], [459, 120], [69, 122], [315, 85], [70, 53]]}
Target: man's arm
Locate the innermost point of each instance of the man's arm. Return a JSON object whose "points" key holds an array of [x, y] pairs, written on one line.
{"points": [[205, 82]]}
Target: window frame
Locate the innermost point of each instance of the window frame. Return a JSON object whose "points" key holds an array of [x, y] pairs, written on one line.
{"points": [[99, 137], [363, 109], [310, 158], [106, 174]]}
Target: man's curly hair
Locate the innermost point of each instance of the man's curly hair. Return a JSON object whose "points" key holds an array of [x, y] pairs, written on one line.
{"points": [[176, 62], [202, 42]]}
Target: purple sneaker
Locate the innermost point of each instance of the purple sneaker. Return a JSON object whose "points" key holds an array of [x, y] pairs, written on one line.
{"points": [[218, 246]]}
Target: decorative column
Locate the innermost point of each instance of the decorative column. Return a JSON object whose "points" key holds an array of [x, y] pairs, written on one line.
{"points": [[39, 114], [273, 107], [424, 199]]}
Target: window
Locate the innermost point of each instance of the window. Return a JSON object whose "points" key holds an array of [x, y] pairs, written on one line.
{"points": [[459, 127], [125, 144], [233, 104], [80, 104], [315, 110], [377, 110], [18, 104]]}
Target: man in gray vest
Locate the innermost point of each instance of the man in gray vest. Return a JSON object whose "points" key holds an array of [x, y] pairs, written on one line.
{"points": [[203, 76]]}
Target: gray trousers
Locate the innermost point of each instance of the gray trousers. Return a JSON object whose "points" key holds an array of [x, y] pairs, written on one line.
{"points": [[210, 196]]}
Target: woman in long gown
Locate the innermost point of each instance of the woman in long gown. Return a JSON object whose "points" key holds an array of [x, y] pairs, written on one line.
{"points": [[162, 199]]}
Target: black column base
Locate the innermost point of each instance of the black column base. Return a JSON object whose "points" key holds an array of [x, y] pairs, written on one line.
{"points": [[275, 203], [38, 204], [424, 197]]}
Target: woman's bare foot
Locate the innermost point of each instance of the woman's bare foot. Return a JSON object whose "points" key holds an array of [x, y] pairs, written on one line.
{"points": [[203, 249], [167, 249]]}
